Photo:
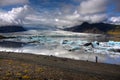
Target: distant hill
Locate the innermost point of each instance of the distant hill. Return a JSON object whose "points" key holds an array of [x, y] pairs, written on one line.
{"points": [[11, 28], [100, 28], [2, 37]]}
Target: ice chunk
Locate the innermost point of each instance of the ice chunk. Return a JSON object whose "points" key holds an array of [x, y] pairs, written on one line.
{"points": [[113, 43], [71, 45], [95, 44], [67, 42]]}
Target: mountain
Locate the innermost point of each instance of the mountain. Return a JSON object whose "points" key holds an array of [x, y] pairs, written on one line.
{"points": [[99, 28], [11, 28], [2, 37]]}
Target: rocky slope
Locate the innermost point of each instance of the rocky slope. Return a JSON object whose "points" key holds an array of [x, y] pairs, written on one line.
{"points": [[100, 28]]}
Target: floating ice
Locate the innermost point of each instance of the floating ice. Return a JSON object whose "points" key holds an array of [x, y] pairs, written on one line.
{"points": [[95, 44], [63, 47], [113, 43]]}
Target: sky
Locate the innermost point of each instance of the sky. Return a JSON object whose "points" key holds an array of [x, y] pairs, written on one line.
{"points": [[58, 13]]}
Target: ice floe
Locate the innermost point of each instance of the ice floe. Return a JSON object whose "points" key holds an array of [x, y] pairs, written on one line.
{"points": [[68, 47]]}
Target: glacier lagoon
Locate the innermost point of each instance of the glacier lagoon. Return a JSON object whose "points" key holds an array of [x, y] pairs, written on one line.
{"points": [[78, 46]]}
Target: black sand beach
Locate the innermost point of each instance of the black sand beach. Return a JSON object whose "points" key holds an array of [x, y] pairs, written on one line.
{"points": [[20, 66]]}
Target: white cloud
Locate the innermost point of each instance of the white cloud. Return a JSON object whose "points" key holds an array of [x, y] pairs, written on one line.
{"points": [[12, 2], [67, 20], [22, 15], [92, 6], [92, 11], [15, 16], [97, 18], [115, 20]]}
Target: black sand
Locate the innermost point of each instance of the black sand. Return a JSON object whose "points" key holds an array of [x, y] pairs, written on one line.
{"points": [[20, 66]]}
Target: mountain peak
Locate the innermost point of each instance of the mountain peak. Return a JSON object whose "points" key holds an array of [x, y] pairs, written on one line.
{"points": [[100, 28]]}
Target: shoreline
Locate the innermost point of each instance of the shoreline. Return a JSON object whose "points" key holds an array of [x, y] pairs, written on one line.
{"points": [[107, 71]]}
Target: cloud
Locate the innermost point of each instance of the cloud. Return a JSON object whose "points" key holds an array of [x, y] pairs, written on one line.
{"points": [[92, 6], [15, 16], [12, 2], [63, 21], [59, 18], [92, 11], [114, 20]]}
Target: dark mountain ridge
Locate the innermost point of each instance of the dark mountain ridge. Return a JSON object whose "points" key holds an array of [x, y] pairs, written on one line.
{"points": [[11, 28], [100, 28]]}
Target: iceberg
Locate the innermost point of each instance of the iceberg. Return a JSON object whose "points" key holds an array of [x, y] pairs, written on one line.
{"points": [[113, 43], [95, 44]]}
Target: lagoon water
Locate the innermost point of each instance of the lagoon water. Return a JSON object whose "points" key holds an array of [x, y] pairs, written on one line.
{"points": [[60, 44]]}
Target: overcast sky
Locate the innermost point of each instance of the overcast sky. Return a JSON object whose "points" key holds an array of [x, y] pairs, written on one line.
{"points": [[60, 13]]}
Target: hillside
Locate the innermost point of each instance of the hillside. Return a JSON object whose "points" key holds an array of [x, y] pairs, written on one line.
{"points": [[11, 28], [100, 28]]}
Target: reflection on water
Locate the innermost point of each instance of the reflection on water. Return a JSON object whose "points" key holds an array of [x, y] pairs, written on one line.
{"points": [[53, 46], [11, 44]]}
